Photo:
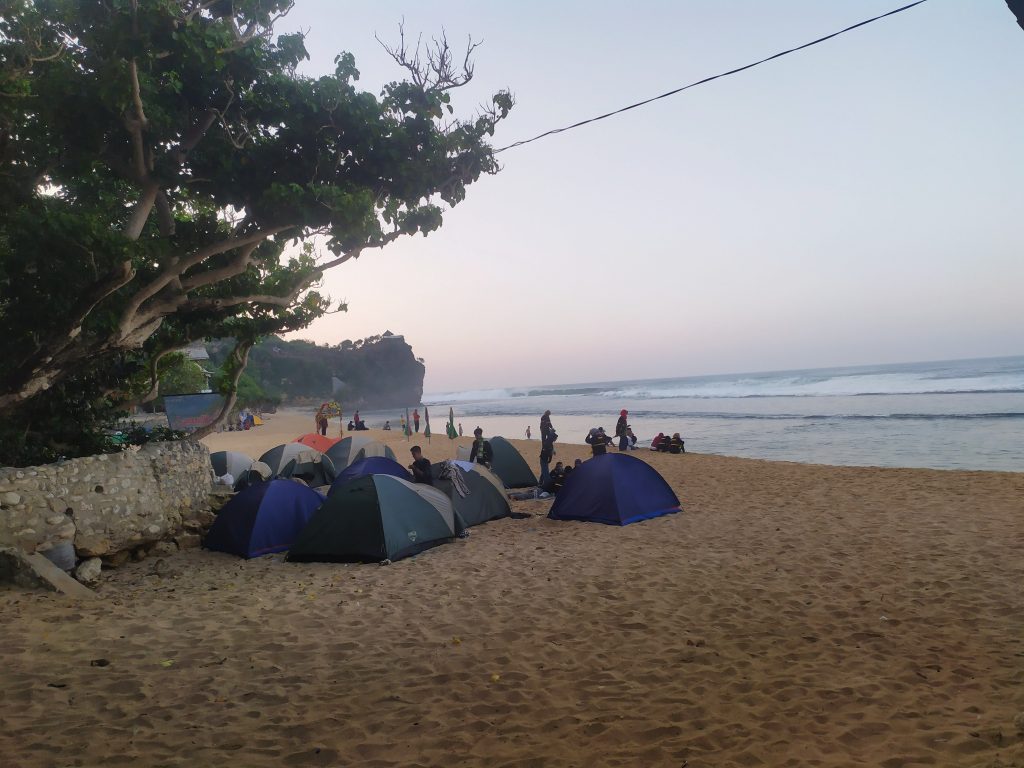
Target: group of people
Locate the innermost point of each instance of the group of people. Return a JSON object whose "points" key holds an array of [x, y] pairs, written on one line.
{"points": [[356, 424], [665, 444]]}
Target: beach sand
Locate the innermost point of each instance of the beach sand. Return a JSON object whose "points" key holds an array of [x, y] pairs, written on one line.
{"points": [[791, 615]]}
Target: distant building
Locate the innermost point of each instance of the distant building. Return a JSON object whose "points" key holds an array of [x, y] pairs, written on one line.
{"points": [[196, 351]]}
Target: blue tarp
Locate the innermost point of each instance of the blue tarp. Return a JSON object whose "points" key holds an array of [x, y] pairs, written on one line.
{"points": [[190, 412], [616, 489], [371, 465], [264, 518]]}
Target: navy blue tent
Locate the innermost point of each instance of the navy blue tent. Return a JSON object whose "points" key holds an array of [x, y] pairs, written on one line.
{"points": [[371, 465], [616, 489], [263, 518]]}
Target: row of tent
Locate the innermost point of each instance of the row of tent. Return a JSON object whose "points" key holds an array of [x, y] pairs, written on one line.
{"points": [[318, 460], [373, 512]]}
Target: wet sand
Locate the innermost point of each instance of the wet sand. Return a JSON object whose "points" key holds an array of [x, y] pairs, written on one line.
{"points": [[792, 615]]}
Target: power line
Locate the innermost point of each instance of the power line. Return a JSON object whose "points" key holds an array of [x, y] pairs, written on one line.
{"points": [[709, 79]]}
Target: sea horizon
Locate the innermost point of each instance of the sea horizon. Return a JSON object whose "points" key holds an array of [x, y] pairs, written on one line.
{"points": [[947, 414]]}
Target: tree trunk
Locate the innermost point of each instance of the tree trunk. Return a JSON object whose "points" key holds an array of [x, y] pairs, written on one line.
{"points": [[236, 363]]}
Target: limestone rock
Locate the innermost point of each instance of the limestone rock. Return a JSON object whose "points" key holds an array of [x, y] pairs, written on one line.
{"points": [[187, 540], [163, 549], [88, 571], [10, 498], [117, 559]]}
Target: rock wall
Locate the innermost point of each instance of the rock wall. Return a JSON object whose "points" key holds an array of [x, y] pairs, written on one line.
{"points": [[107, 505]]}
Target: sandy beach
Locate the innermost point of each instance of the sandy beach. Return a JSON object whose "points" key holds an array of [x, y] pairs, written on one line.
{"points": [[791, 615]]}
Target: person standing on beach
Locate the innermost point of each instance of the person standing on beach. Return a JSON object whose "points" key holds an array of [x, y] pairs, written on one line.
{"points": [[545, 425], [528, 432], [620, 430], [598, 441], [460, 429], [546, 452], [416, 419]]}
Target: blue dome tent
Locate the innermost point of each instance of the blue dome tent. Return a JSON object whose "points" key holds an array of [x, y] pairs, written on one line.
{"points": [[371, 465], [263, 518], [616, 489]]}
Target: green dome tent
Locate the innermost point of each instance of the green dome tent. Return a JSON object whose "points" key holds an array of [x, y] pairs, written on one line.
{"points": [[510, 466], [376, 518], [354, 448]]}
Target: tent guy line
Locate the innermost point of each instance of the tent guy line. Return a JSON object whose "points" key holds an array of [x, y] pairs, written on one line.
{"points": [[553, 131]]}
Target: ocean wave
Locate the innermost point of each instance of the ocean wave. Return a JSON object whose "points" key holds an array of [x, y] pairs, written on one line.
{"points": [[916, 379]]}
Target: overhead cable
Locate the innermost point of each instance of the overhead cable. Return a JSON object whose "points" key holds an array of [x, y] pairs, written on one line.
{"points": [[709, 79]]}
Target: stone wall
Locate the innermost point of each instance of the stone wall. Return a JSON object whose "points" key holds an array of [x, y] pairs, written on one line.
{"points": [[106, 505]]}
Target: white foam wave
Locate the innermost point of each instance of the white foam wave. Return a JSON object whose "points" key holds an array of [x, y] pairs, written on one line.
{"points": [[469, 395]]}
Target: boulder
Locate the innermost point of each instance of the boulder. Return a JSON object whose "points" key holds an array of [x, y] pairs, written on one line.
{"points": [[88, 571]]}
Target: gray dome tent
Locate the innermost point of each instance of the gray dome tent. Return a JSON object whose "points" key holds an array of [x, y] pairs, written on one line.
{"points": [[354, 448], [483, 503], [279, 457], [375, 518], [230, 462]]}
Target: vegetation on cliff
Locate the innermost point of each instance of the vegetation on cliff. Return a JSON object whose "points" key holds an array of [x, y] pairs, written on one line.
{"points": [[376, 372]]}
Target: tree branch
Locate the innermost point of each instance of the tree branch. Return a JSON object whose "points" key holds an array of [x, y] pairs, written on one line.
{"points": [[178, 268], [237, 266]]}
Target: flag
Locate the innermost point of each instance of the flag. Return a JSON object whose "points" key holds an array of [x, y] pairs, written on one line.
{"points": [[408, 425], [426, 427], [452, 433]]}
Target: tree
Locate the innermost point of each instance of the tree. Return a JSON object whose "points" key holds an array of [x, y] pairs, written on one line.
{"points": [[182, 376], [157, 157]]}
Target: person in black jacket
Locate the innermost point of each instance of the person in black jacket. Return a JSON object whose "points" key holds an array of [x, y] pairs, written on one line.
{"points": [[481, 452], [420, 467], [598, 441]]}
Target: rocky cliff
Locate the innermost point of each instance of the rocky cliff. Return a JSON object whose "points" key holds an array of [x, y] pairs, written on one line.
{"points": [[378, 372]]}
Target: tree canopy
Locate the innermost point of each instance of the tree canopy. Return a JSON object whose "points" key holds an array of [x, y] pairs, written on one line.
{"points": [[164, 170]]}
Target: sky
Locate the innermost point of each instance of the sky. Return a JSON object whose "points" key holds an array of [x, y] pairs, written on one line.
{"points": [[855, 203]]}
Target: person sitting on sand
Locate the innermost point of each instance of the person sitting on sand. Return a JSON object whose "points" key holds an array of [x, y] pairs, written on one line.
{"points": [[387, 426], [676, 444], [420, 467], [656, 442], [556, 479], [630, 439], [481, 452]]}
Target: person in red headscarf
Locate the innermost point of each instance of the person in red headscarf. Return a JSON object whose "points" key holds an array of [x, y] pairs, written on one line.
{"points": [[620, 430]]}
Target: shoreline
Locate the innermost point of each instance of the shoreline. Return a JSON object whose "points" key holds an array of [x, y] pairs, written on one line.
{"points": [[288, 423]]}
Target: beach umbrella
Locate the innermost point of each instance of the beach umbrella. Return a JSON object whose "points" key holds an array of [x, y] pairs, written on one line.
{"points": [[452, 432], [426, 418]]}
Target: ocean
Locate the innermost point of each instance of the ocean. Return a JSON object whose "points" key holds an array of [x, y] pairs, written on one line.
{"points": [[960, 414]]}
